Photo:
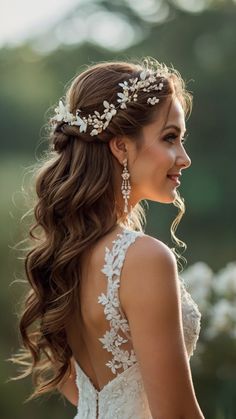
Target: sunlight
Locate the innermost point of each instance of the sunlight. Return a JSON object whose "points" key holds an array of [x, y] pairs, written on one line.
{"points": [[24, 19]]}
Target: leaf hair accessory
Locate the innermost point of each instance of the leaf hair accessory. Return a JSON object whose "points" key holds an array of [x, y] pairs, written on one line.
{"points": [[146, 82]]}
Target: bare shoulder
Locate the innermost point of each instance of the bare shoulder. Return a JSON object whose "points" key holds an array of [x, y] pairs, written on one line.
{"points": [[151, 243], [150, 298], [148, 249], [149, 265]]}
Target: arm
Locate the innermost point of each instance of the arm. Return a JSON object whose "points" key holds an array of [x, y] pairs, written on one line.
{"points": [[68, 388], [150, 296]]}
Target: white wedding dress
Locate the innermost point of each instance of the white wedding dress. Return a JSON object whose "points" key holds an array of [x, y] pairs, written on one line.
{"points": [[124, 397]]}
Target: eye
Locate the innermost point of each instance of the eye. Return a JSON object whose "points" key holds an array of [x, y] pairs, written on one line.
{"points": [[170, 138]]}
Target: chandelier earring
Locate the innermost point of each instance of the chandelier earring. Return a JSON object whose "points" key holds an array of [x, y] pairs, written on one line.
{"points": [[125, 187]]}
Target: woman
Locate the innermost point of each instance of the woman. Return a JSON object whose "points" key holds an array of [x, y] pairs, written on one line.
{"points": [[107, 321]]}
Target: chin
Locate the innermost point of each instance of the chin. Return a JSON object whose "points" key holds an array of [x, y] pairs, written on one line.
{"points": [[163, 200], [167, 199]]}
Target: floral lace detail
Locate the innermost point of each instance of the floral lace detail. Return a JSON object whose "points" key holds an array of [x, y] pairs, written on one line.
{"points": [[191, 318], [112, 340], [124, 396], [87, 407]]}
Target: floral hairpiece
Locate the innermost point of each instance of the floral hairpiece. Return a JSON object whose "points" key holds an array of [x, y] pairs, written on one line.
{"points": [[146, 82]]}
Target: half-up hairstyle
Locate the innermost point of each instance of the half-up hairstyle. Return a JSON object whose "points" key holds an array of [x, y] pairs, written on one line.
{"points": [[75, 206]]}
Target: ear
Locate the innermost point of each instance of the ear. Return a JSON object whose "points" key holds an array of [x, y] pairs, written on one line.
{"points": [[119, 148]]}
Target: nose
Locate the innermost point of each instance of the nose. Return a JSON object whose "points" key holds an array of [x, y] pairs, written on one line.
{"points": [[183, 159]]}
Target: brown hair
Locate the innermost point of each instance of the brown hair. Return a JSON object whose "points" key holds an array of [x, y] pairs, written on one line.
{"points": [[75, 206]]}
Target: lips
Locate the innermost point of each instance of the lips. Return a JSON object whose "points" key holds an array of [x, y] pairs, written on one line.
{"points": [[174, 177]]}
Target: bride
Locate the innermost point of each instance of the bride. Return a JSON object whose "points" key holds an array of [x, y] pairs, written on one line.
{"points": [[107, 320]]}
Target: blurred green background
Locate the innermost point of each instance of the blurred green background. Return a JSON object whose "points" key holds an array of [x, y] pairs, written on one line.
{"points": [[198, 38]]}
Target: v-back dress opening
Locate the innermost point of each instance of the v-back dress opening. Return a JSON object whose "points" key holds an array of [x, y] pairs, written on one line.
{"points": [[124, 397]]}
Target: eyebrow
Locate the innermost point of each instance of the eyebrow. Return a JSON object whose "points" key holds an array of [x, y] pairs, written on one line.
{"points": [[173, 126]]}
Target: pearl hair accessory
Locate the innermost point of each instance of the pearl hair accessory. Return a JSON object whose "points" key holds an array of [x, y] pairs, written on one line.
{"points": [[147, 82]]}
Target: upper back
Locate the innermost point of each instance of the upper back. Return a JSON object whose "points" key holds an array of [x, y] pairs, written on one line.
{"points": [[105, 260], [149, 290]]}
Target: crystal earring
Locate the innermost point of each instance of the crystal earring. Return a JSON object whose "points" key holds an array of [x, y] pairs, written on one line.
{"points": [[125, 187]]}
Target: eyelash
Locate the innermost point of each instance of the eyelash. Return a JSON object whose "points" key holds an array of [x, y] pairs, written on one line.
{"points": [[174, 136]]}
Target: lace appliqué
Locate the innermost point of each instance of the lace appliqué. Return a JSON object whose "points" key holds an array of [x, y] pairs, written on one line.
{"points": [[123, 397], [112, 340], [191, 319]]}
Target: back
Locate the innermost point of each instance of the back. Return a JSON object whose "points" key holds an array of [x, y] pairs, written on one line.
{"points": [[87, 327], [107, 358]]}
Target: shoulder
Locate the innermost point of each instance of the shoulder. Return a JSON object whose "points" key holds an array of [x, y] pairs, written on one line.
{"points": [[151, 302], [151, 252], [150, 269]]}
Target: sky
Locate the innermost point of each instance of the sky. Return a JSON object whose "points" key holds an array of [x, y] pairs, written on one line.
{"points": [[21, 19], [27, 19], [24, 19]]}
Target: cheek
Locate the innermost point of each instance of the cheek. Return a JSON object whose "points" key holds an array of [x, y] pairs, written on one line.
{"points": [[160, 159], [152, 164], [148, 169]]}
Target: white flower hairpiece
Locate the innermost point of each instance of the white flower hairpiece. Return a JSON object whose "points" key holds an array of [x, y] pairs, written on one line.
{"points": [[146, 82]]}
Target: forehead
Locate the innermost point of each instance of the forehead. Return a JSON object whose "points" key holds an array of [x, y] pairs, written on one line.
{"points": [[171, 115]]}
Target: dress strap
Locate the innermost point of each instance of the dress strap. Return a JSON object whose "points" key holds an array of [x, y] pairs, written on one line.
{"points": [[112, 340], [114, 258]]}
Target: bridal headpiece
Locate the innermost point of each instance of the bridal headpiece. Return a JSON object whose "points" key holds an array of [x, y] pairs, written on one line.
{"points": [[148, 81]]}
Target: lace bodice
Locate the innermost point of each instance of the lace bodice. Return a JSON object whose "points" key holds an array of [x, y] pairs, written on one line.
{"points": [[124, 397]]}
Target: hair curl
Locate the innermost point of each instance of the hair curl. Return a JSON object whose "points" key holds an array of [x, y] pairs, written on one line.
{"points": [[75, 206]]}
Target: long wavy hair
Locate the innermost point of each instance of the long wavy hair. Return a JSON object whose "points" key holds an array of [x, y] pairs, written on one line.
{"points": [[75, 205]]}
